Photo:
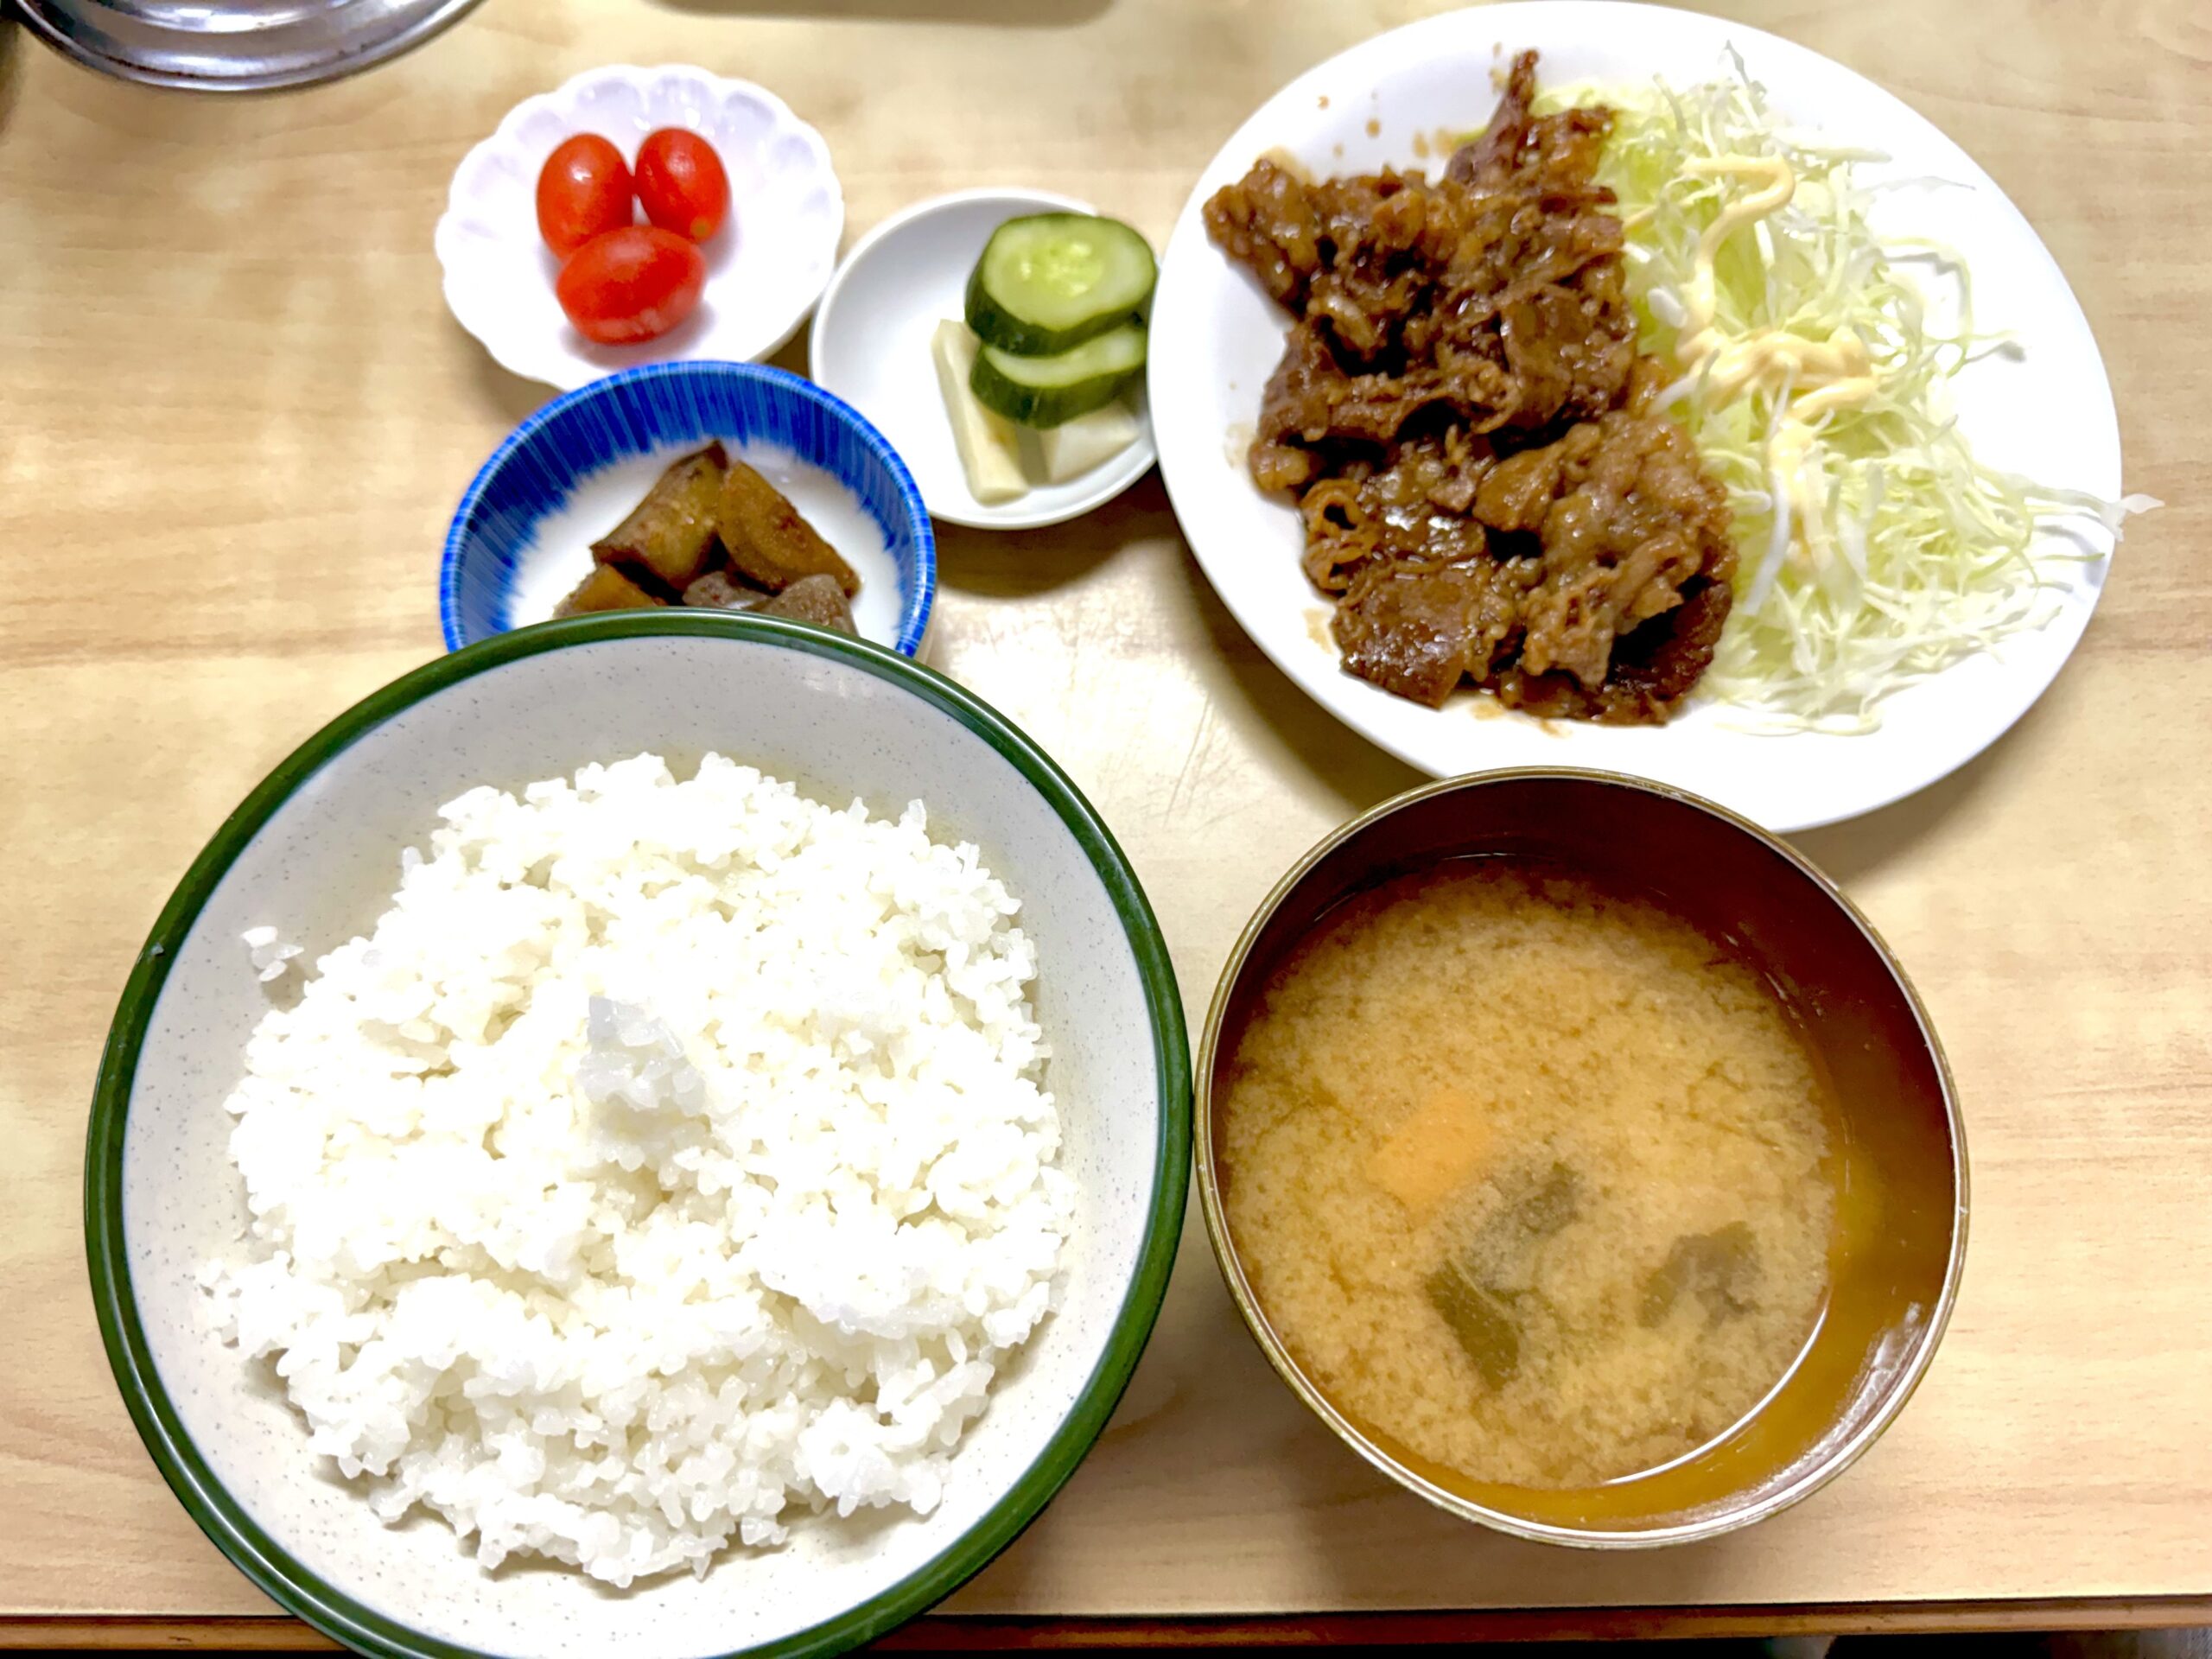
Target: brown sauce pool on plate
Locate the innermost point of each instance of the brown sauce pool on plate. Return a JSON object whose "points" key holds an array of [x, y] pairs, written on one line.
{"points": [[1532, 1180]]}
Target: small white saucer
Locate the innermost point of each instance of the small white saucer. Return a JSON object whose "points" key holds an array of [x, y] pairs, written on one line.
{"points": [[871, 347]]}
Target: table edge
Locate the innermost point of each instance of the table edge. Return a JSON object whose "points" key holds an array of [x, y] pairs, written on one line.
{"points": [[956, 1632]]}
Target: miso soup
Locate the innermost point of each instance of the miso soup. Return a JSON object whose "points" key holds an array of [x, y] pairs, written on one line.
{"points": [[1529, 1176]]}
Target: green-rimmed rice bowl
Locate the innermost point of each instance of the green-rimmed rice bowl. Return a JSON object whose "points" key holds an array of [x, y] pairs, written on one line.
{"points": [[313, 853]]}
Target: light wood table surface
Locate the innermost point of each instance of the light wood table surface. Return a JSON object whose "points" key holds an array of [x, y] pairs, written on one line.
{"points": [[235, 417]]}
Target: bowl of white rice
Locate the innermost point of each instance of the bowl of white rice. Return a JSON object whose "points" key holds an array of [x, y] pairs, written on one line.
{"points": [[659, 1133]]}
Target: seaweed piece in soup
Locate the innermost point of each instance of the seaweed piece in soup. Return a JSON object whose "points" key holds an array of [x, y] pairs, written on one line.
{"points": [[1480, 1321], [1551, 1204], [668, 540], [1475, 1293], [1720, 1268]]}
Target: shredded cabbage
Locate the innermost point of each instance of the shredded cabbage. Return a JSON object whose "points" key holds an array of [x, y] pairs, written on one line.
{"points": [[1889, 552]]}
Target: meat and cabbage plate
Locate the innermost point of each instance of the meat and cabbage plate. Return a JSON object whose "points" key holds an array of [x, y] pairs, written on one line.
{"points": [[1625, 403]]}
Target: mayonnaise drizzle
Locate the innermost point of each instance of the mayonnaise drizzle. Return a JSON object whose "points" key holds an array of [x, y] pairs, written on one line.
{"points": [[1810, 380]]}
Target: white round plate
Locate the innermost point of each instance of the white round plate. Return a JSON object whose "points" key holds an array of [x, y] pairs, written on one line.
{"points": [[765, 267], [871, 347], [1216, 338]]}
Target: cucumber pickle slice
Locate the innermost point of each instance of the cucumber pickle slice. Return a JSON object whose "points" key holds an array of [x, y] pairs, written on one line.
{"points": [[1044, 391], [1049, 282]]}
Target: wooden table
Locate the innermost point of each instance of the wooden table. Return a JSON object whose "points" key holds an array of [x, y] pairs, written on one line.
{"points": [[235, 416]]}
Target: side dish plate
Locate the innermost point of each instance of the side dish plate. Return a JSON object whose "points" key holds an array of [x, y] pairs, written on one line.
{"points": [[765, 267], [2046, 411], [871, 347]]}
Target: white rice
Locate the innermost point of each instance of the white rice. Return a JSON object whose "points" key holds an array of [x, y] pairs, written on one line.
{"points": [[672, 1154], [269, 956]]}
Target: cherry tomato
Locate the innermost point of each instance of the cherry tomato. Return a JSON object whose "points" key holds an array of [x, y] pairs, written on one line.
{"points": [[583, 190], [630, 284], [681, 183]]}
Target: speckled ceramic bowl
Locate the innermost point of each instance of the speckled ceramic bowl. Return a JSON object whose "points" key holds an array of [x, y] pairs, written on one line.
{"points": [[314, 851]]}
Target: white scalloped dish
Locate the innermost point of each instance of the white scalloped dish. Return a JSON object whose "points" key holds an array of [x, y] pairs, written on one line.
{"points": [[765, 267]]}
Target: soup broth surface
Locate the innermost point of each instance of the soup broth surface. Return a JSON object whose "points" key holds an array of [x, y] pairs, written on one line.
{"points": [[1530, 1177]]}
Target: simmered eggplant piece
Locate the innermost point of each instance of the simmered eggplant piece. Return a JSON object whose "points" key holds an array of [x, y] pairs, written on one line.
{"points": [[606, 589], [668, 540], [818, 600], [714, 535], [715, 592], [769, 543]]}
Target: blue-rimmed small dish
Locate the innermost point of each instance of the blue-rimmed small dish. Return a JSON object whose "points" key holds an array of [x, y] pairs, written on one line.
{"points": [[522, 536]]}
